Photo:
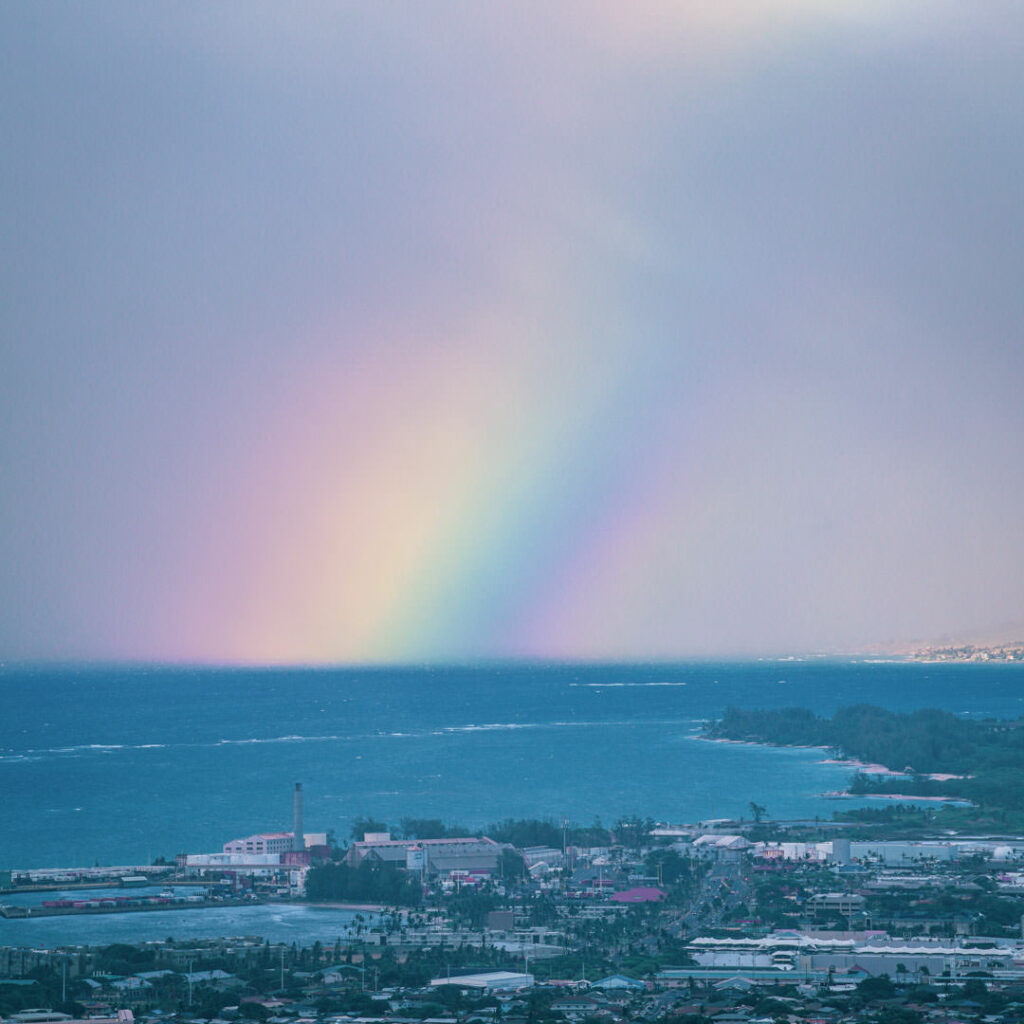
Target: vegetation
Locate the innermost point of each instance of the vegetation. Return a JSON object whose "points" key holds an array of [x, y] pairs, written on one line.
{"points": [[366, 823], [519, 832], [524, 832], [372, 882], [430, 828], [45, 989], [986, 756]]}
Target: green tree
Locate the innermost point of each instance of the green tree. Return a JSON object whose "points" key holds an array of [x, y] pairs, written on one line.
{"points": [[633, 831], [363, 824]]}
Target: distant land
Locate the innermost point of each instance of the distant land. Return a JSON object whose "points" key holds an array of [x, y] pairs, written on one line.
{"points": [[971, 652], [998, 643]]}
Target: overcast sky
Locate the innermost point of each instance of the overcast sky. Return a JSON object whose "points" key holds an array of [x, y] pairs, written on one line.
{"points": [[345, 332]]}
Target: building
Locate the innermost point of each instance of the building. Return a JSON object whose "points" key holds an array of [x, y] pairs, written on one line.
{"points": [[237, 861], [534, 855], [721, 847], [491, 981], [432, 856], [262, 842], [640, 894], [829, 904], [45, 1016], [903, 854], [868, 953], [620, 981]]}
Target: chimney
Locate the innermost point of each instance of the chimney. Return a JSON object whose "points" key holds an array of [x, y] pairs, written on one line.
{"points": [[298, 839]]}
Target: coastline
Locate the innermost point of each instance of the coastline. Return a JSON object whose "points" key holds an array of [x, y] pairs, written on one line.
{"points": [[863, 767], [841, 794], [371, 908]]}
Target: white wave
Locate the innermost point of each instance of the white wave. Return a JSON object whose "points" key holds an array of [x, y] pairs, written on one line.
{"points": [[574, 723], [274, 739], [615, 686], [85, 749]]}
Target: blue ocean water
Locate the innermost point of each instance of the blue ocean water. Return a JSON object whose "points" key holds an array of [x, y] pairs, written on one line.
{"points": [[120, 765]]}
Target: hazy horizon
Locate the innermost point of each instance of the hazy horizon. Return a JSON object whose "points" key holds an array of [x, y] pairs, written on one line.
{"points": [[461, 333]]}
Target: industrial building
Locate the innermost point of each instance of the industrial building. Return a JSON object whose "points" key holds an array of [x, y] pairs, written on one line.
{"points": [[430, 856], [865, 953], [262, 842], [279, 843], [491, 981], [266, 855]]}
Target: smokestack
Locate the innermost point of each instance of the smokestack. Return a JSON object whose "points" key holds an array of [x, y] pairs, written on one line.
{"points": [[298, 839]]}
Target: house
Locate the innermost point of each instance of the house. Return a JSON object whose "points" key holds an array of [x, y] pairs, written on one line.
{"points": [[129, 984], [216, 978], [734, 984], [576, 1007]]}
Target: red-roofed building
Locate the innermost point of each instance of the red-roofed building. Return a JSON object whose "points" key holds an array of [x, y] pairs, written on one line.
{"points": [[641, 894]]}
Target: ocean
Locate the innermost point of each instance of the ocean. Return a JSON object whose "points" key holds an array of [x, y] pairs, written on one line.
{"points": [[121, 765]]}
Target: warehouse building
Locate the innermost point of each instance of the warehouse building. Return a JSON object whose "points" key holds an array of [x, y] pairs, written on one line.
{"points": [[430, 856]]}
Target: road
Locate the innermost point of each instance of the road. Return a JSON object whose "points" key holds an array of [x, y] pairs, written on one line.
{"points": [[722, 890]]}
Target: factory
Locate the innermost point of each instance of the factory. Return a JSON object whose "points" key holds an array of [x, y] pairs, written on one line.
{"points": [[265, 854], [428, 856]]}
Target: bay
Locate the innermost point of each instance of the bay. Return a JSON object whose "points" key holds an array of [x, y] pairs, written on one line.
{"points": [[118, 765]]}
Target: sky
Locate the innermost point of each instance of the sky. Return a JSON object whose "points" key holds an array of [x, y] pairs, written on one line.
{"points": [[360, 332]]}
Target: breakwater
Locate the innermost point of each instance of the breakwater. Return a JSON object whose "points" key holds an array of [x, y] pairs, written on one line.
{"points": [[61, 909]]}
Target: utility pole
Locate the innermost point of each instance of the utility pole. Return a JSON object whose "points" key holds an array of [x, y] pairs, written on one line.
{"points": [[565, 854], [282, 966], [190, 983]]}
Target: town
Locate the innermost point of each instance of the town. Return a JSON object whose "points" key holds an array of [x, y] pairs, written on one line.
{"points": [[730, 921]]}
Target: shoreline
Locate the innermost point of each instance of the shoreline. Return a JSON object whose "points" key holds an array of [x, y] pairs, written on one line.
{"points": [[842, 794], [864, 767], [371, 908]]}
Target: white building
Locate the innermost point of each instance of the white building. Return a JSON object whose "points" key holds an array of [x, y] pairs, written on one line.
{"points": [[721, 847], [249, 861], [491, 981], [261, 842], [872, 953]]}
